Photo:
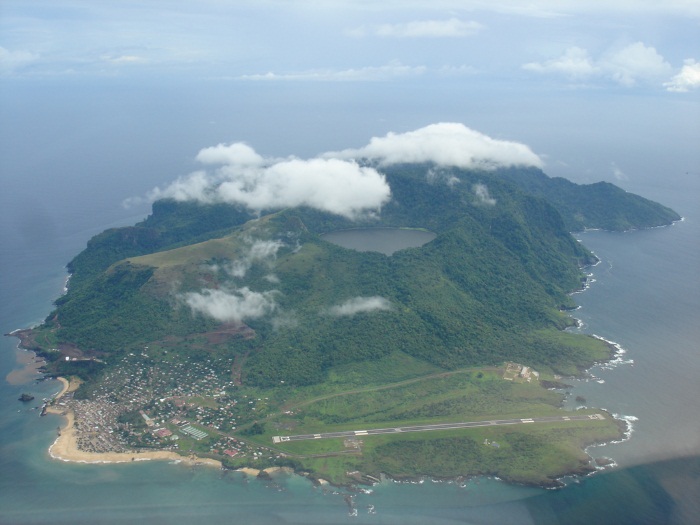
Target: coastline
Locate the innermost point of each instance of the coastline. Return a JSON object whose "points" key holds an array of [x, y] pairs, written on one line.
{"points": [[31, 367], [65, 447], [254, 472], [66, 386], [25, 338]]}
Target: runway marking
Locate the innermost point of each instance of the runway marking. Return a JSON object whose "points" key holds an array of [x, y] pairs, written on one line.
{"points": [[438, 426]]}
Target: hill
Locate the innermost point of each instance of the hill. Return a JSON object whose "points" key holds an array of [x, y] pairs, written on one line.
{"points": [[239, 328], [488, 288], [594, 206]]}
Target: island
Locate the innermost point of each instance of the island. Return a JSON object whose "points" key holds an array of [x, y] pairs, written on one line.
{"points": [[209, 333]]}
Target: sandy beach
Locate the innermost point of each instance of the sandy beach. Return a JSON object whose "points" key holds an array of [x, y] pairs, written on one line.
{"points": [[67, 386], [250, 471], [65, 447]]}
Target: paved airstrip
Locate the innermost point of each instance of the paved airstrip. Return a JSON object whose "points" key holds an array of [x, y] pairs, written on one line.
{"points": [[439, 426]]}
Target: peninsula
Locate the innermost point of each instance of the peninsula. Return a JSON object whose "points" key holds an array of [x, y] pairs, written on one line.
{"points": [[212, 332]]}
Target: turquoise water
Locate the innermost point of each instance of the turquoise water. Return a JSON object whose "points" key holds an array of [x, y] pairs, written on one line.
{"points": [[645, 297]]}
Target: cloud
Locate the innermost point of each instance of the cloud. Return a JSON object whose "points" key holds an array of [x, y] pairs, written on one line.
{"points": [[389, 71], [618, 173], [451, 28], [257, 251], [358, 305], [626, 66], [688, 78], [331, 185], [238, 153], [482, 194], [457, 71], [635, 62], [243, 177], [231, 306], [438, 175], [538, 8], [11, 61], [197, 186], [284, 320], [446, 143], [125, 59], [575, 63]]}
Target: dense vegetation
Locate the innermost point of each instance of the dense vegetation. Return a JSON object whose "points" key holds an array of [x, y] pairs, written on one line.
{"points": [[601, 205], [489, 288]]}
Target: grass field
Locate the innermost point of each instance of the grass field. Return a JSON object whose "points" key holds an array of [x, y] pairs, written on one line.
{"points": [[356, 398]]}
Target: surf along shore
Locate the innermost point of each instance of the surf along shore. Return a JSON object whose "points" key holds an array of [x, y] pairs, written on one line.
{"points": [[65, 447]]}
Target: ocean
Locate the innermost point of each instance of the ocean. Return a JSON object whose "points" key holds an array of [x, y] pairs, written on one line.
{"points": [[644, 295]]}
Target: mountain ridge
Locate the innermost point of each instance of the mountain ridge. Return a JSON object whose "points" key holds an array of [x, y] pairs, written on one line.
{"points": [[502, 264]]}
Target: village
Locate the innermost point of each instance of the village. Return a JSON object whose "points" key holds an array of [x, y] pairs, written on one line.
{"points": [[188, 408]]}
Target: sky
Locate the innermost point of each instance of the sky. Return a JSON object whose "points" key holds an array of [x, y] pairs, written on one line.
{"points": [[631, 43], [124, 98]]}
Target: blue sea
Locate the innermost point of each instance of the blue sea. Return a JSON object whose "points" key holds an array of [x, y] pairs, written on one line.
{"points": [[644, 295]]}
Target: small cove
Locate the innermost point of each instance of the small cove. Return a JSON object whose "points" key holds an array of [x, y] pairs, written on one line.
{"points": [[382, 240]]}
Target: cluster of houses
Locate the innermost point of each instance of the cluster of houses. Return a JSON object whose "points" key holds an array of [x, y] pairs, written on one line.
{"points": [[195, 401]]}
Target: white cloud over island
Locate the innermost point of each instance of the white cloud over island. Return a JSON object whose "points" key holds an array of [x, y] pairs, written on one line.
{"points": [[243, 177], [335, 182], [234, 305], [447, 144], [358, 305], [257, 251], [481, 191]]}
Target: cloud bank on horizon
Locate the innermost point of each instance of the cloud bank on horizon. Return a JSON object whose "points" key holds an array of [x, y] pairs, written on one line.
{"points": [[335, 182], [627, 66], [637, 42], [450, 28], [687, 79]]}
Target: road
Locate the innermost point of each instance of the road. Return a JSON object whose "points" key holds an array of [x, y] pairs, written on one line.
{"points": [[439, 426]]}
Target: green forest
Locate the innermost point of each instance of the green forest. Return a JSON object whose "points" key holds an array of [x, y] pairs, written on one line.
{"points": [[492, 286]]}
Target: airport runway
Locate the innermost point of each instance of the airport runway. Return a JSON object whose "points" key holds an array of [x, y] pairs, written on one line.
{"points": [[439, 426]]}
